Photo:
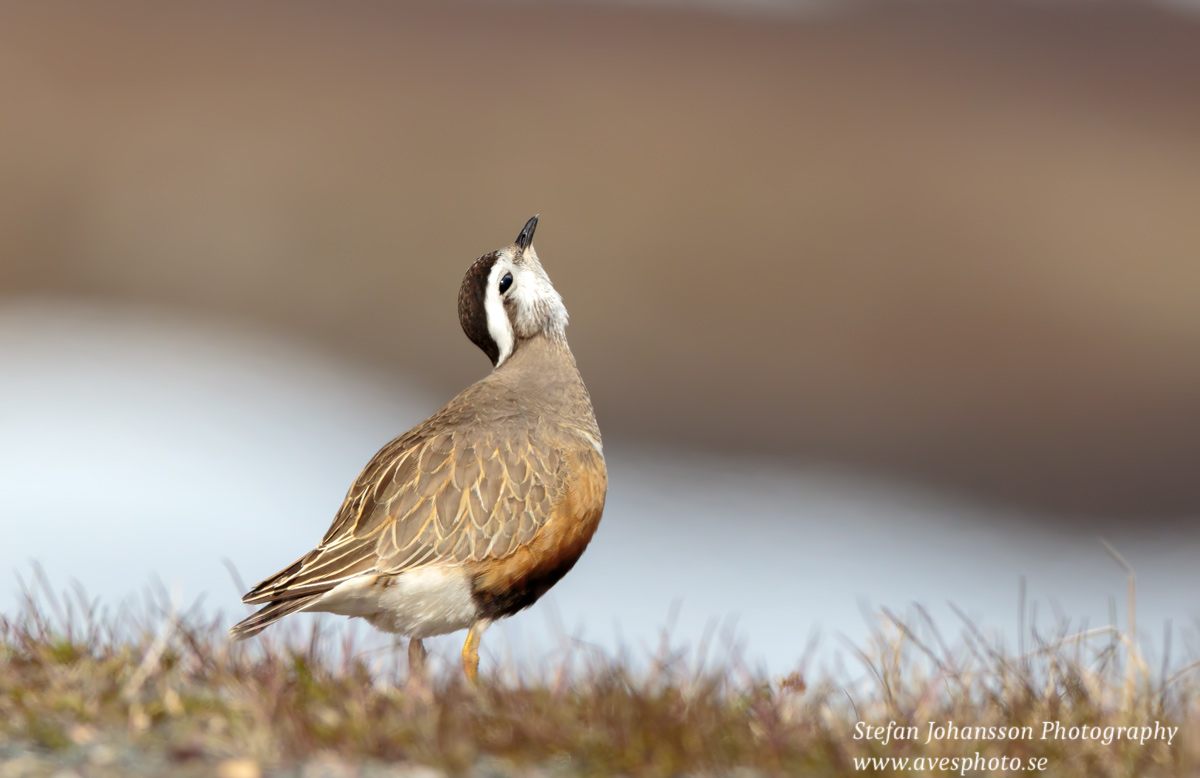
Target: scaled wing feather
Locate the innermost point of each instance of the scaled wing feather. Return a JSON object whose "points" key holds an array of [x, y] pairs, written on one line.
{"points": [[435, 499]]}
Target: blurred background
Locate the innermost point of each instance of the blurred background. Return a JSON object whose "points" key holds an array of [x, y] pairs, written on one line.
{"points": [[881, 302]]}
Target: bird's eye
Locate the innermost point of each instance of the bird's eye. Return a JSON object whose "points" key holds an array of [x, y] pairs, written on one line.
{"points": [[505, 282]]}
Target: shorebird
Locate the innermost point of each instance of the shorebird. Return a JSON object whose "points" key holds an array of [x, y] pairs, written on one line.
{"points": [[476, 512]]}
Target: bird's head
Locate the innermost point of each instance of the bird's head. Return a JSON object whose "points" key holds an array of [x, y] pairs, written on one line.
{"points": [[506, 298]]}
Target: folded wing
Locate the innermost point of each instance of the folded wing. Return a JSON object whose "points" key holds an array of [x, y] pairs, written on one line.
{"points": [[437, 498]]}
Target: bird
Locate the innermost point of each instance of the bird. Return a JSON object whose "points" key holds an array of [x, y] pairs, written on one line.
{"points": [[476, 512]]}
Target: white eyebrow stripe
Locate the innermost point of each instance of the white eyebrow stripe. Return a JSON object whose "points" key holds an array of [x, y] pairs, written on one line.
{"points": [[499, 327]]}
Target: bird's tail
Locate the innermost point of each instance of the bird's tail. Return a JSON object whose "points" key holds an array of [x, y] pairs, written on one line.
{"points": [[273, 612]]}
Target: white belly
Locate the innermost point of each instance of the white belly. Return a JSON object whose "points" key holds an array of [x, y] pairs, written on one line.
{"points": [[418, 603]]}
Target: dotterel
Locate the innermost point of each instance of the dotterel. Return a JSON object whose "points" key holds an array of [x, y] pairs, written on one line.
{"points": [[475, 513]]}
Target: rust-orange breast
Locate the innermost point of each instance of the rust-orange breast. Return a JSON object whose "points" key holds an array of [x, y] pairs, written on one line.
{"points": [[504, 586]]}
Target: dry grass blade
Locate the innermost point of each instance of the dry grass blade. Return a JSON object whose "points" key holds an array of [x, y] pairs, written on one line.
{"points": [[165, 680]]}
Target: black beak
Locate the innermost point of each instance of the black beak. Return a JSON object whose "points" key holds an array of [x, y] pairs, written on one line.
{"points": [[526, 237]]}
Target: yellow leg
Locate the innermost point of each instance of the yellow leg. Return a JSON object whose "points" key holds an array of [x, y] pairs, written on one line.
{"points": [[470, 652], [416, 658]]}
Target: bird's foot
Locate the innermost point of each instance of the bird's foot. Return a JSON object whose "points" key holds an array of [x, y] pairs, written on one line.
{"points": [[470, 652]]}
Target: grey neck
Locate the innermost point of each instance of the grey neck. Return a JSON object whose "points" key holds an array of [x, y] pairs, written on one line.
{"points": [[542, 372], [538, 354]]}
